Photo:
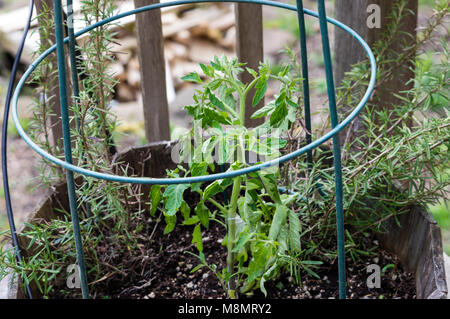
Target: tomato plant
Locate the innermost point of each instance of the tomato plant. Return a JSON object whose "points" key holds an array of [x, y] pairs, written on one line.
{"points": [[261, 226]]}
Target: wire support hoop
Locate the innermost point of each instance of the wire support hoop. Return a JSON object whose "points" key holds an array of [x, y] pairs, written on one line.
{"points": [[196, 179]]}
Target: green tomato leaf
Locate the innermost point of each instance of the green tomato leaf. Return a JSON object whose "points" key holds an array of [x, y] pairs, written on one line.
{"points": [[155, 196], [191, 221], [174, 197], [216, 64], [209, 71], [226, 96], [197, 238], [212, 115], [198, 169], [215, 84], [279, 219], [264, 111], [252, 72], [171, 221], [261, 252], [284, 71], [215, 100], [192, 77], [185, 210], [279, 114], [270, 184], [211, 190], [244, 237], [203, 214], [261, 88]]}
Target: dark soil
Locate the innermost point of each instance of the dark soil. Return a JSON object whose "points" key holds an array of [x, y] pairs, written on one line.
{"points": [[166, 273]]}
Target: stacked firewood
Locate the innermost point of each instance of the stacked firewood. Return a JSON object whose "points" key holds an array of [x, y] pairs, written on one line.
{"points": [[191, 37]]}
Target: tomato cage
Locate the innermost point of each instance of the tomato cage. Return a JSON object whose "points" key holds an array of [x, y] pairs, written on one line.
{"points": [[333, 134]]}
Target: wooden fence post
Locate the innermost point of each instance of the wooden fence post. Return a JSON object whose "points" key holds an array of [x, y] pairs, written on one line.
{"points": [[249, 47], [355, 14], [46, 7], [153, 72]]}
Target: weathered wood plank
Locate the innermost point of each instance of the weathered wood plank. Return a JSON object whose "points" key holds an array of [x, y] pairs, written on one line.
{"points": [[418, 244], [46, 7], [249, 47], [348, 51], [153, 73]]}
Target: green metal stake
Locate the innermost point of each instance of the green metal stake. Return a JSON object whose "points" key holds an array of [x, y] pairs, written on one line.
{"points": [[74, 68], [305, 75], [67, 145], [336, 149]]}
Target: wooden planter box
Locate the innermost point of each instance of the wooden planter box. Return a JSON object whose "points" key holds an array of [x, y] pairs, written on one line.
{"points": [[417, 243]]}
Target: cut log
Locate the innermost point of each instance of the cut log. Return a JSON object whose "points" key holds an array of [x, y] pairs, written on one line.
{"points": [[204, 51], [125, 93]]}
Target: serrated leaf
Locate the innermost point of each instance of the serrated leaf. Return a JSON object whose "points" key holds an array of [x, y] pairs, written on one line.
{"points": [[270, 184], [174, 197], [197, 238], [216, 65], [155, 197], [244, 237], [215, 100], [279, 219], [207, 70], [261, 88], [171, 221], [192, 77], [211, 190], [212, 115], [264, 111], [185, 210], [198, 168], [226, 96], [252, 72], [215, 84], [279, 114], [203, 214]]}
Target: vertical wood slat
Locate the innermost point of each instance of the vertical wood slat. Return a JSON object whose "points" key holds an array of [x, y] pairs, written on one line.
{"points": [[249, 47], [348, 51], [153, 74], [55, 118]]}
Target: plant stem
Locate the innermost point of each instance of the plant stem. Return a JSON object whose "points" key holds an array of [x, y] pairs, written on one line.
{"points": [[220, 207], [242, 109], [231, 233], [231, 218]]}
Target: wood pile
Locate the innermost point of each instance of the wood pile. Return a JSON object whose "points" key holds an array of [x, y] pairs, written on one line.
{"points": [[191, 36]]}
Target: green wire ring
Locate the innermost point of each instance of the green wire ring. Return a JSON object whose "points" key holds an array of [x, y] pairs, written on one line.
{"points": [[205, 178]]}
